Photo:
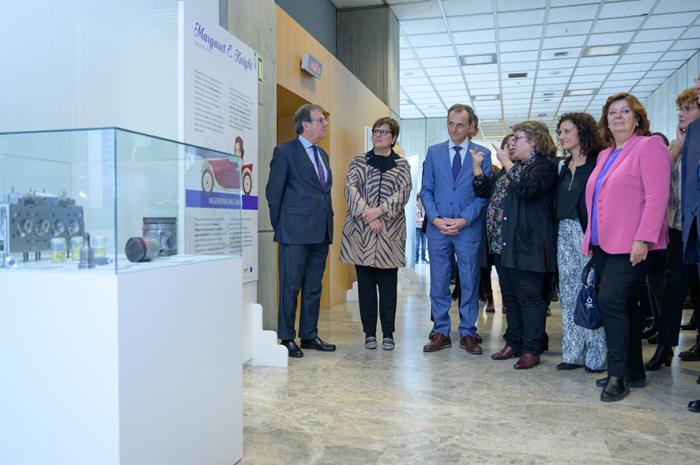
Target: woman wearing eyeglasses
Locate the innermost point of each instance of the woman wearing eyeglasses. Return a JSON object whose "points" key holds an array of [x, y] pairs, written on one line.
{"points": [[377, 188], [626, 199], [520, 231]]}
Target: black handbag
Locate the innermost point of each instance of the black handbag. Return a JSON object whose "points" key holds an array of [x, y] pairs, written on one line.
{"points": [[587, 313]]}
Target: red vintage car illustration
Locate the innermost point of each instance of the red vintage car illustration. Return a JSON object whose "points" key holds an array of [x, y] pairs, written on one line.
{"points": [[222, 173]]}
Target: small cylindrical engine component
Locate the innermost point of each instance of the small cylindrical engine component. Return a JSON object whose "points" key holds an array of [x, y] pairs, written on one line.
{"points": [[142, 249]]}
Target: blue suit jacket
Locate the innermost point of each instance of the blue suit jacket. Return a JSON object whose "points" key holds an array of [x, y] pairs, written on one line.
{"points": [[301, 211], [690, 158], [444, 197]]}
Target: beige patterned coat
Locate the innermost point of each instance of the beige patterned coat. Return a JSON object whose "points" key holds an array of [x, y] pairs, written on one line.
{"points": [[367, 187]]}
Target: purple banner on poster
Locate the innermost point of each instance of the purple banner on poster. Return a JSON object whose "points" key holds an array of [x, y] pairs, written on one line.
{"points": [[250, 202], [199, 199]]}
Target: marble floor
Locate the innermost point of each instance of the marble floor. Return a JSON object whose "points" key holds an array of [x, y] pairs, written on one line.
{"points": [[358, 406]]}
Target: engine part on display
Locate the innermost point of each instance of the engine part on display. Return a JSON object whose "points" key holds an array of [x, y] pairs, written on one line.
{"points": [[162, 229], [29, 221], [141, 249], [87, 257], [58, 250]]}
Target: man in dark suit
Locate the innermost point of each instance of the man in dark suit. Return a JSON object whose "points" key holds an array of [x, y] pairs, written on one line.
{"points": [[299, 197], [690, 200]]}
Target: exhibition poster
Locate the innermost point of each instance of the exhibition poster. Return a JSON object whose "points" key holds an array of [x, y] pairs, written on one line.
{"points": [[220, 111]]}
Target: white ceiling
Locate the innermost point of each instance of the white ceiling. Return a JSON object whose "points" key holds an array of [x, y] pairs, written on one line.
{"points": [[543, 38]]}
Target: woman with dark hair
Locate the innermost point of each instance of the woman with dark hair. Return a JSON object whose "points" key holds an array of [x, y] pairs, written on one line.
{"points": [[377, 188], [626, 199], [520, 230], [238, 146], [578, 137]]}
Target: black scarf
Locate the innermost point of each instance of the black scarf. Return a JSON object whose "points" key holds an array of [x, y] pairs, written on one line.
{"points": [[380, 162]]}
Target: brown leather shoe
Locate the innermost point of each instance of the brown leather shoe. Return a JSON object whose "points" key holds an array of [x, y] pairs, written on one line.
{"points": [[505, 353], [438, 342], [526, 361], [469, 344]]}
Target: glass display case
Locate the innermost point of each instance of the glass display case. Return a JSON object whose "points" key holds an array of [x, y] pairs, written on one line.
{"points": [[117, 200]]}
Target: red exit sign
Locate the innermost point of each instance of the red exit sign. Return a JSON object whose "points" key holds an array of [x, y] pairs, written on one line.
{"points": [[312, 65]]}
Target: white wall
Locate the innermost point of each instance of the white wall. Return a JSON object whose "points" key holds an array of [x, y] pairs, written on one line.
{"points": [[661, 104]]}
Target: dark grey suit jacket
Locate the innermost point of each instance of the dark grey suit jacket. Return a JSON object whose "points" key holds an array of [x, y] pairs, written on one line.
{"points": [[301, 211], [689, 190]]}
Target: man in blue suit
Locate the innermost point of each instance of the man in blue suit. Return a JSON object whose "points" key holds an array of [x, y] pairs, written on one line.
{"points": [[452, 211], [690, 201], [299, 197]]}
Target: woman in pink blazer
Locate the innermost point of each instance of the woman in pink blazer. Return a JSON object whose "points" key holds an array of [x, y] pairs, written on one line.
{"points": [[626, 199]]}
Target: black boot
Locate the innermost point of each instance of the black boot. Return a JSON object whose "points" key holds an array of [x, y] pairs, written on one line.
{"points": [[692, 354], [661, 357], [615, 389]]}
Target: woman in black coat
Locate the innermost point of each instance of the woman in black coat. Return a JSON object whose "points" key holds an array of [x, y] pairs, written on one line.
{"points": [[520, 232]]}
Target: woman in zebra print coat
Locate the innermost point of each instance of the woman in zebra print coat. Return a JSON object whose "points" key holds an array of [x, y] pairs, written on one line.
{"points": [[377, 188]]}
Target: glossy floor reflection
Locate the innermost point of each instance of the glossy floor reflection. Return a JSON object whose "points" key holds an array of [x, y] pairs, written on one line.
{"points": [[358, 406]]}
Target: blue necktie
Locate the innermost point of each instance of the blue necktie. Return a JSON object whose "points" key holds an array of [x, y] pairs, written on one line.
{"points": [[319, 167], [456, 163]]}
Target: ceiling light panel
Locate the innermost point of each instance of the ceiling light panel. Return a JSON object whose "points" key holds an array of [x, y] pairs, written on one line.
{"points": [[617, 24], [663, 21], [430, 40], [519, 33], [519, 45], [462, 7], [626, 9], [470, 22], [646, 47], [565, 29], [520, 18], [471, 37], [423, 26], [561, 53], [566, 41], [566, 14]]}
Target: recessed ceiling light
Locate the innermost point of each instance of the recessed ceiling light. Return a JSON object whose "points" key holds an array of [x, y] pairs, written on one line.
{"points": [[602, 50], [554, 72], [517, 75], [548, 94], [408, 73], [576, 92], [546, 99], [560, 54], [468, 60], [541, 115], [483, 98]]}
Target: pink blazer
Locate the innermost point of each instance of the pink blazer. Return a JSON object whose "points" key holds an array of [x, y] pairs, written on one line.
{"points": [[633, 198]]}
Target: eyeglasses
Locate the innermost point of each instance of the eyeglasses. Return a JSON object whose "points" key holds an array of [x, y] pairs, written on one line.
{"points": [[686, 110], [515, 139], [381, 132], [320, 120]]}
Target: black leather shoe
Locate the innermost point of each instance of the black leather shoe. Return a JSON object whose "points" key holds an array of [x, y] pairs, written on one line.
{"points": [[615, 389], [293, 349], [694, 405], [692, 354], [568, 366], [662, 356], [318, 344], [649, 331], [632, 382]]}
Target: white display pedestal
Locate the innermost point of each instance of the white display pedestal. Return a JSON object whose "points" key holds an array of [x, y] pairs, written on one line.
{"points": [[140, 368]]}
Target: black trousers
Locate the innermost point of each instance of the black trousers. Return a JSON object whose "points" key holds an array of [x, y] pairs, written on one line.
{"points": [[527, 311], [678, 279], [622, 319], [301, 269], [368, 280]]}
